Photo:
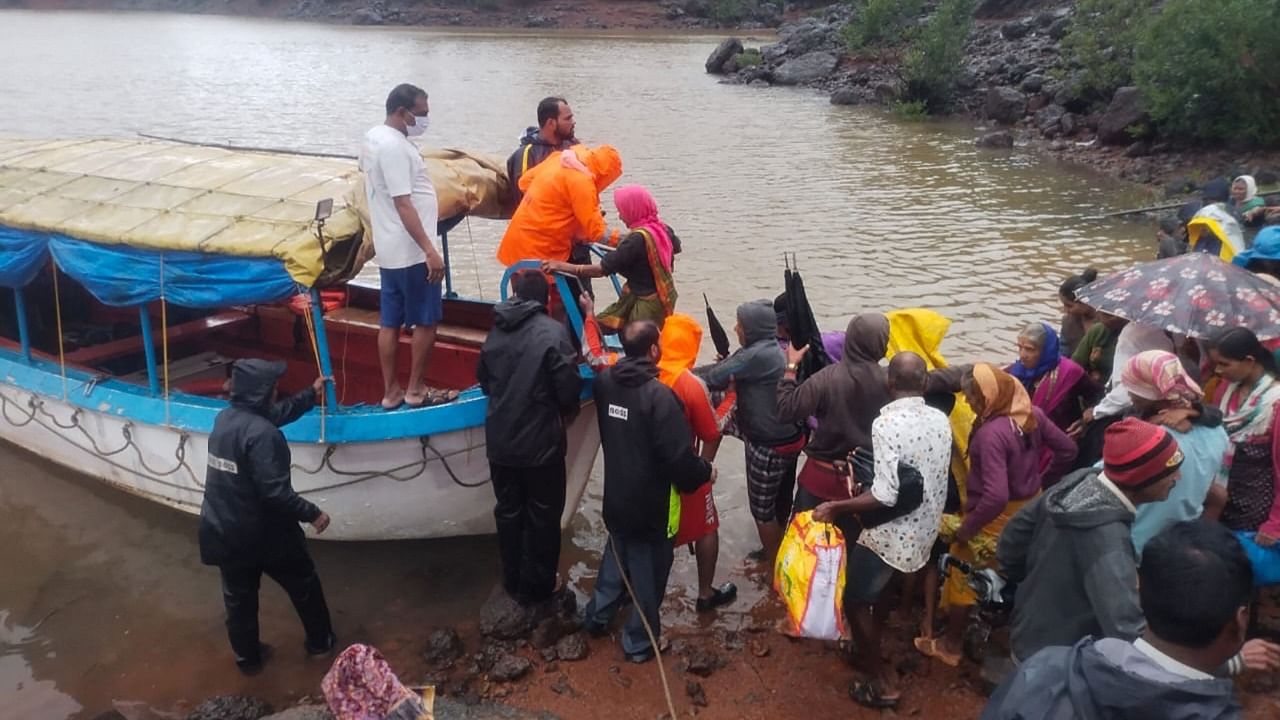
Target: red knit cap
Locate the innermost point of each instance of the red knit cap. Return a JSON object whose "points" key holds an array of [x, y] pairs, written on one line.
{"points": [[1136, 454]]}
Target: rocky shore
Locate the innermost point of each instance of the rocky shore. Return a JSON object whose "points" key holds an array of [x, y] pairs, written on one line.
{"points": [[1014, 82]]}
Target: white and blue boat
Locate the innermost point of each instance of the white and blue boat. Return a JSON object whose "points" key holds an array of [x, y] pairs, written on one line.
{"points": [[138, 269]]}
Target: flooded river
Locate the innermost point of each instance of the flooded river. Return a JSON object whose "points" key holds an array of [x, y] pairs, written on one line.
{"points": [[103, 599]]}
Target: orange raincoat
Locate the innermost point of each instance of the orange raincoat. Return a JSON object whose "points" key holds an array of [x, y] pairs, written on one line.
{"points": [[561, 204]]}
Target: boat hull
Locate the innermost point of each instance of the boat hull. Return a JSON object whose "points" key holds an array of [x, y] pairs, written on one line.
{"points": [[404, 488]]}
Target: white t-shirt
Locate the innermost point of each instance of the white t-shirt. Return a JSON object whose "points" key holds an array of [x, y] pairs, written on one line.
{"points": [[393, 167], [910, 431]]}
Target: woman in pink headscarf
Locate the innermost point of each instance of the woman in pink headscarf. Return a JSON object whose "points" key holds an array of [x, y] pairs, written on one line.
{"points": [[645, 257]]}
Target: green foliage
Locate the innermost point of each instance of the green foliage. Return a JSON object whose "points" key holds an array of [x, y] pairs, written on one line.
{"points": [[910, 110], [1207, 69], [935, 59], [749, 58], [1101, 42], [879, 22], [727, 11]]}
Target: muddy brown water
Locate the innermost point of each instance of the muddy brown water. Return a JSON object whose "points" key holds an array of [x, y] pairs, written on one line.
{"points": [[103, 600]]}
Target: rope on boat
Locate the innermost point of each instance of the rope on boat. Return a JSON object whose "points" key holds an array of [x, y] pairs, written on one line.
{"points": [[315, 349], [57, 312], [35, 408], [396, 473]]}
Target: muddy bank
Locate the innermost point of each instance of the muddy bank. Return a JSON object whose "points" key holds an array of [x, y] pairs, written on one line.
{"points": [[1014, 83]]}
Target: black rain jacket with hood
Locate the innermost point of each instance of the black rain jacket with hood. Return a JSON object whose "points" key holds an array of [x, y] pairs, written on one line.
{"points": [[648, 449], [533, 150], [251, 514], [528, 368]]}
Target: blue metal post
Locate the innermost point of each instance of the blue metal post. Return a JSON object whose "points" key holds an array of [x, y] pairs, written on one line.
{"points": [[149, 348], [448, 269], [322, 342], [24, 335]]}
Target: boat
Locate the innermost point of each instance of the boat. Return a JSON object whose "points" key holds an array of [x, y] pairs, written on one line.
{"points": [[139, 269]]}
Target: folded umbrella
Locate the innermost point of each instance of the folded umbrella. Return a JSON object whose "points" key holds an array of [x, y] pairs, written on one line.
{"points": [[1196, 294], [802, 325], [718, 336]]}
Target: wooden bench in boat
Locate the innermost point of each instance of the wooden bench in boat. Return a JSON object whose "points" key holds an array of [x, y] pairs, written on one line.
{"points": [[367, 321], [95, 354]]}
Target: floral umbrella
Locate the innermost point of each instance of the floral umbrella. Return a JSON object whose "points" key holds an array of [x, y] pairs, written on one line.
{"points": [[1196, 294]]}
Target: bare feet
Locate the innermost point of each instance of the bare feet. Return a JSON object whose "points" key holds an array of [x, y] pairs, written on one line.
{"points": [[393, 399]]}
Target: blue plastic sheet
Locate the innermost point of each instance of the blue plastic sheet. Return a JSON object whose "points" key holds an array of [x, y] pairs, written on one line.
{"points": [[124, 276], [22, 254]]}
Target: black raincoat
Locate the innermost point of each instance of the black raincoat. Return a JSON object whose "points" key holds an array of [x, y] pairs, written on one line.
{"points": [[251, 513], [528, 369]]}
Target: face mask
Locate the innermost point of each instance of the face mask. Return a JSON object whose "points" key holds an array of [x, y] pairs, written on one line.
{"points": [[419, 125]]}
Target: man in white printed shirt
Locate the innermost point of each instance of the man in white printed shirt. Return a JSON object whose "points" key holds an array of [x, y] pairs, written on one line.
{"points": [[403, 212], [910, 432]]}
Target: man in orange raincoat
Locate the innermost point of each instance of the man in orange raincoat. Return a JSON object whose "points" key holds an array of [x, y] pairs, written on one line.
{"points": [[699, 522], [561, 205]]}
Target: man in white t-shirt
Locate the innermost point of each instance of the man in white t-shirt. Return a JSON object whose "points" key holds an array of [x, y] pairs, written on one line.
{"points": [[403, 211], [907, 431]]}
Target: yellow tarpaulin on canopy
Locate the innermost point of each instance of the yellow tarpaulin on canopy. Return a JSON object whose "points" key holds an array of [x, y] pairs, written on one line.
{"points": [[921, 331], [164, 195]]}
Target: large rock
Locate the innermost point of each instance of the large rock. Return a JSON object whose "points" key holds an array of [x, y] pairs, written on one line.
{"points": [[1127, 109], [849, 95], [1006, 105], [998, 139], [303, 712], [503, 618], [510, 668], [774, 53], [1016, 29], [721, 55], [808, 35], [444, 647], [805, 69], [231, 707], [1049, 119]]}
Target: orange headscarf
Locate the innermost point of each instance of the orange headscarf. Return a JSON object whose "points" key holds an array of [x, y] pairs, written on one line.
{"points": [[680, 340], [1000, 394]]}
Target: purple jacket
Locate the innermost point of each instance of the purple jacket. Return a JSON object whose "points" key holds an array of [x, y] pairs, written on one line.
{"points": [[1004, 465]]}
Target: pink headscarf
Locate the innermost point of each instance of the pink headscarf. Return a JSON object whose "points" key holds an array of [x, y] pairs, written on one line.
{"points": [[637, 209], [1159, 375], [361, 686]]}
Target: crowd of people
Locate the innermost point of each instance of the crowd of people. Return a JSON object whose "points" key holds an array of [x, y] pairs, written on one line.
{"points": [[1122, 477]]}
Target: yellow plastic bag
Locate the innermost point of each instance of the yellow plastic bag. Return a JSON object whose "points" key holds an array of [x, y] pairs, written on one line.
{"points": [[809, 577]]}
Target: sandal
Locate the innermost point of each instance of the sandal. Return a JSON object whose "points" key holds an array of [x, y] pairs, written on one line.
{"points": [[867, 695], [722, 595], [430, 398], [930, 647]]}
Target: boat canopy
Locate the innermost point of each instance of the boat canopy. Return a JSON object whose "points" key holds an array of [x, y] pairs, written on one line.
{"points": [[226, 226]]}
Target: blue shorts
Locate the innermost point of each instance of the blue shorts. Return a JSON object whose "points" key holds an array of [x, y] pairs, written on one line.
{"points": [[408, 300]]}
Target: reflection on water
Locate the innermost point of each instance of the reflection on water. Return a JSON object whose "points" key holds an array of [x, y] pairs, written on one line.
{"points": [[880, 214]]}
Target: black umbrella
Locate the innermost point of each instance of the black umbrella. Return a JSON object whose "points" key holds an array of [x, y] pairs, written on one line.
{"points": [[718, 336], [802, 324]]}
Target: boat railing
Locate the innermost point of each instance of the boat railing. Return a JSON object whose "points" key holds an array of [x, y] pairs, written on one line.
{"points": [[567, 298]]}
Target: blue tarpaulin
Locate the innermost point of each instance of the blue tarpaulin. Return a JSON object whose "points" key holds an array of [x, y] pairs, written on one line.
{"points": [[124, 276]]}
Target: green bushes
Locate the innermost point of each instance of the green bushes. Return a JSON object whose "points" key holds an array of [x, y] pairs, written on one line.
{"points": [[878, 22], [750, 57], [1210, 70], [936, 57], [1101, 42]]}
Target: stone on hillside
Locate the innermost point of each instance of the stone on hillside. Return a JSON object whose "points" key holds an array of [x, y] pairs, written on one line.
{"points": [[1016, 29], [721, 55], [1031, 83], [1049, 119], [774, 53], [1127, 109], [805, 69], [1005, 105]]}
